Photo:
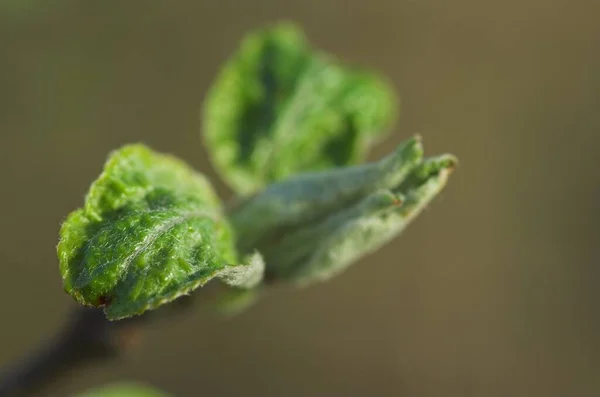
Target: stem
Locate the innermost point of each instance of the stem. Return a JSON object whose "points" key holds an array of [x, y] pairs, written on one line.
{"points": [[86, 337]]}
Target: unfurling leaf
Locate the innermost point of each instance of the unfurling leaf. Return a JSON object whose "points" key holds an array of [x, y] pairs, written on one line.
{"points": [[312, 226], [309, 197], [280, 107], [151, 230], [357, 231]]}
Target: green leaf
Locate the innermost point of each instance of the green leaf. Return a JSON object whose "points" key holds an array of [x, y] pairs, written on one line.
{"points": [[313, 226], [280, 107], [150, 231], [307, 197], [124, 390], [351, 234]]}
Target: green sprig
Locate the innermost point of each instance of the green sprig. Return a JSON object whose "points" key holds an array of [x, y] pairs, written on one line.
{"points": [[288, 127]]}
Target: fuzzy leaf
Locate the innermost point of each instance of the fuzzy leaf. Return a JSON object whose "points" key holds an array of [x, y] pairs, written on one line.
{"points": [[364, 228], [313, 226], [151, 230], [280, 107], [312, 196]]}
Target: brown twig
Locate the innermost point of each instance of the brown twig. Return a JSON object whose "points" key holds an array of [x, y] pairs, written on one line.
{"points": [[87, 336]]}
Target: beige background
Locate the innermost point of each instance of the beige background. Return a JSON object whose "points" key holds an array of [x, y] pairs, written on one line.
{"points": [[492, 292]]}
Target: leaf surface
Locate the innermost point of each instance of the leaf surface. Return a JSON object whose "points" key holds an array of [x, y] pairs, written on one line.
{"points": [[150, 231], [280, 107]]}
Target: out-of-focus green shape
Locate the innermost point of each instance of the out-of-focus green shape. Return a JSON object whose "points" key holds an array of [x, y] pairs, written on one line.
{"points": [[312, 226], [279, 107], [150, 231], [232, 301], [124, 390]]}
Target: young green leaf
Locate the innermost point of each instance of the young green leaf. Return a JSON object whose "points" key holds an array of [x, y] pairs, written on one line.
{"points": [[360, 230], [306, 197], [280, 107], [316, 225], [151, 230]]}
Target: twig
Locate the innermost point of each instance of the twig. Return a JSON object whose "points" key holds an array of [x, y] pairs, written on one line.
{"points": [[87, 336]]}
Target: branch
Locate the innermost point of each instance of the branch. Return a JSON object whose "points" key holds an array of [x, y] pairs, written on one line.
{"points": [[86, 337]]}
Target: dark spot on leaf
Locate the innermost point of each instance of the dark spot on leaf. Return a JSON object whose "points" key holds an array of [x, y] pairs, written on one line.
{"points": [[103, 301]]}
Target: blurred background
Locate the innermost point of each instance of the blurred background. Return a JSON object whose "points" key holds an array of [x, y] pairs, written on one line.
{"points": [[491, 292]]}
